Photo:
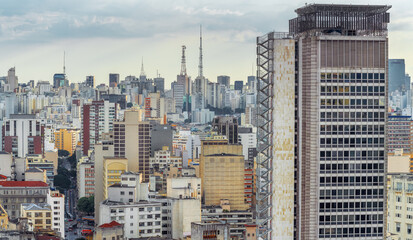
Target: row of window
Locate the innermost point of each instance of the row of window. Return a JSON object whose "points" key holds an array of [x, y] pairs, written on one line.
{"points": [[351, 129], [351, 219], [352, 142], [352, 103], [352, 76], [334, 168], [352, 116], [351, 193], [351, 206], [352, 181], [350, 232], [352, 91]]}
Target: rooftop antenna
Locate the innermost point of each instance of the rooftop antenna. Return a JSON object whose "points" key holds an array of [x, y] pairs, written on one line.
{"points": [[64, 62], [183, 61], [200, 52], [142, 70]]}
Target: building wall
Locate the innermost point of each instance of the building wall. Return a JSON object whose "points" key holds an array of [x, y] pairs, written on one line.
{"points": [[101, 150], [112, 171], [40, 218], [283, 117], [400, 206], [184, 212], [56, 201], [222, 173], [66, 139]]}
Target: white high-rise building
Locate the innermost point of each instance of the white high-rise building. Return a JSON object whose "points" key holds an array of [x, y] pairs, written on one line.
{"points": [[56, 201]]}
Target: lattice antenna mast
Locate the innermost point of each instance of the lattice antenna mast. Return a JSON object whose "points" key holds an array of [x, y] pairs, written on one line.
{"points": [[183, 61], [64, 62], [142, 69], [200, 52]]}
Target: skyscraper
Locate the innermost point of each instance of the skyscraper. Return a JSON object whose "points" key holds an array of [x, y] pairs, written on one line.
{"points": [[337, 56], [90, 81], [397, 75], [113, 79], [224, 80], [238, 85]]}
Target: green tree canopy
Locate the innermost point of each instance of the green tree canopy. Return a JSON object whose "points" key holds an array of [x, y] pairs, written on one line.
{"points": [[86, 204], [62, 181]]}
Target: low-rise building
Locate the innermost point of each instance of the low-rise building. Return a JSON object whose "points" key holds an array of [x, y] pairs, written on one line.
{"points": [[14, 193], [56, 200], [38, 214], [112, 230], [139, 219], [85, 177], [210, 230], [162, 159], [399, 206], [113, 168], [37, 160], [35, 174], [130, 189], [183, 187], [236, 219]]}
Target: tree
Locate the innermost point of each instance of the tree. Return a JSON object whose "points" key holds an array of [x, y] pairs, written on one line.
{"points": [[62, 181], [63, 153], [86, 205]]}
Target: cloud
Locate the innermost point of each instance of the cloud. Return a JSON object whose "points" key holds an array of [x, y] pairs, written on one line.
{"points": [[207, 11]]}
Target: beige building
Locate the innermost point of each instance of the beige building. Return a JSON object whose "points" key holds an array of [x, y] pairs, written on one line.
{"points": [[108, 231], [38, 214], [400, 206], [35, 174], [101, 150], [113, 168], [183, 187], [222, 174], [398, 162], [132, 140]]}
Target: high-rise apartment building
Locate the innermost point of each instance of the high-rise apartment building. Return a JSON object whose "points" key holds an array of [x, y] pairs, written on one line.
{"points": [[159, 84], [224, 80], [90, 81], [178, 91], [227, 126], [113, 79], [23, 134], [399, 131], [337, 56], [98, 118], [238, 85], [132, 140], [66, 139]]}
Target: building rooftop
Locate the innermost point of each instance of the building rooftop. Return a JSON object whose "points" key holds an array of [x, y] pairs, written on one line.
{"points": [[110, 225], [315, 8], [23, 184], [34, 170], [22, 116], [36, 206]]}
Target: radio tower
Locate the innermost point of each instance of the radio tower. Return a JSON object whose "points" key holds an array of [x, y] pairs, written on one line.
{"points": [[183, 62], [200, 67]]}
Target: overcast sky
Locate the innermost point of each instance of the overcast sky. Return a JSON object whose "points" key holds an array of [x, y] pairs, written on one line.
{"points": [[108, 36]]}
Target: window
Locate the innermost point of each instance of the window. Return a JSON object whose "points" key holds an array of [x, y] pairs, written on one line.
{"points": [[397, 227], [122, 193], [409, 228]]}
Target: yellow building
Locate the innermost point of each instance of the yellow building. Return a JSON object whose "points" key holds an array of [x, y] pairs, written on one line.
{"points": [[113, 167], [4, 218], [222, 174], [66, 139], [39, 215]]}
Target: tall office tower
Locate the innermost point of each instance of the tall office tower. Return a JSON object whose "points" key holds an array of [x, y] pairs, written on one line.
{"points": [[222, 174], [132, 140], [159, 84], [213, 92], [98, 118], [252, 83], [238, 85], [227, 126], [113, 79], [224, 80], [154, 106], [339, 54], [399, 134], [22, 135], [178, 90], [90, 81], [397, 75], [59, 80], [12, 79]]}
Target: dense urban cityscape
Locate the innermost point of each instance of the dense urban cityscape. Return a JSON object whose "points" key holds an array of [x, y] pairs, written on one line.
{"points": [[316, 144]]}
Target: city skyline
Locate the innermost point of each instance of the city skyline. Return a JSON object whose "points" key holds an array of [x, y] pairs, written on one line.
{"points": [[103, 37]]}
